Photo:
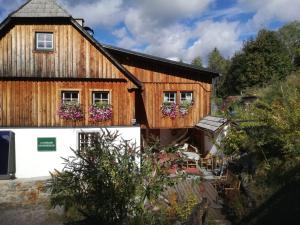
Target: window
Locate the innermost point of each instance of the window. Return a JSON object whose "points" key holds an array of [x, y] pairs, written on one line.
{"points": [[70, 96], [100, 97], [44, 41], [170, 97], [86, 140], [186, 96]]}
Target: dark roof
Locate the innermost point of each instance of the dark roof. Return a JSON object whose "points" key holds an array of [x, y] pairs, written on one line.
{"points": [[40, 8], [211, 123], [159, 59]]}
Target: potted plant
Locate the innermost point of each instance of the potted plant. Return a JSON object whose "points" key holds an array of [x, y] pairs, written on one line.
{"points": [[169, 109], [100, 112], [70, 111], [184, 107]]}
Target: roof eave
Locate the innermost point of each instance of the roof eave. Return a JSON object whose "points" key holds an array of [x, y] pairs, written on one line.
{"points": [[162, 60]]}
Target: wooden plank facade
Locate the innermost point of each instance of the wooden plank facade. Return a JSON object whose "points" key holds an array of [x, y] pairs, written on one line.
{"points": [[159, 79], [73, 56], [34, 103]]}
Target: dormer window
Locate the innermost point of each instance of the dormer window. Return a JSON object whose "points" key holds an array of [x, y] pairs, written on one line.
{"points": [[44, 41]]}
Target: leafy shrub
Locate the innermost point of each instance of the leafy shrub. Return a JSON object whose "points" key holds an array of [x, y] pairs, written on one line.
{"points": [[106, 184]]}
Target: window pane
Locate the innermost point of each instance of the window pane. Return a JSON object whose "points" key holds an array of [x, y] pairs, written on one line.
{"points": [[48, 37], [186, 96], [44, 41], [170, 97], [40, 36], [67, 95], [48, 45], [40, 45], [100, 97], [70, 96], [74, 95]]}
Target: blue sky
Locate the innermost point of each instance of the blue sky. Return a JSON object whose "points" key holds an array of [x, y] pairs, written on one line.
{"points": [[177, 29]]}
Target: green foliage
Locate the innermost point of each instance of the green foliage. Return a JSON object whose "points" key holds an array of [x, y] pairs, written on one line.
{"points": [[262, 61], [185, 209], [234, 142], [290, 35], [181, 210], [105, 183], [277, 118], [197, 61], [268, 131], [217, 62]]}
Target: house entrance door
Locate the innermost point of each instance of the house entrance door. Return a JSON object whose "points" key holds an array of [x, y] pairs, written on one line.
{"points": [[7, 155]]}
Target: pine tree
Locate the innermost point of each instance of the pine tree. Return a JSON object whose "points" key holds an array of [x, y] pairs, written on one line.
{"points": [[197, 62], [217, 62]]}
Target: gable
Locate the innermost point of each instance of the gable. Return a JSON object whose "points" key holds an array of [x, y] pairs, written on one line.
{"points": [[74, 55]]}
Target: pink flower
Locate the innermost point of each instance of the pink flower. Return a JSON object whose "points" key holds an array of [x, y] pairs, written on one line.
{"points": [[169, 109], [70, 111], [100, 112]]}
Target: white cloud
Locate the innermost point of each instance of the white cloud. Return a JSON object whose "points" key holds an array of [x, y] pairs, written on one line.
{"points": [[96, 12], [166, 11], [223, 35], [176, 39], [270, 10], [158, 25]]}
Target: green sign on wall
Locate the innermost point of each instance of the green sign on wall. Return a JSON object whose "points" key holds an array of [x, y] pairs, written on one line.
{"points": [[46, 144]]}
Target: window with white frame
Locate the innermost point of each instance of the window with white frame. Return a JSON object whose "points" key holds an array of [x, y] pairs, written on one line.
{"points": [[70, 96], [87, 140], [170, 96], [100, 97], [44, 41], [186, 96]]}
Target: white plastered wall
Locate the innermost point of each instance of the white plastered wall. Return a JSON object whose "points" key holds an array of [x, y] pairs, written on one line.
{"points": [[32, 163]]}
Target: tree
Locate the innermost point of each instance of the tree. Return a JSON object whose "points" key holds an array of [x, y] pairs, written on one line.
{"points": [[290, 35], [105, 183], [261, 61], [197, 62], [217, 62]]}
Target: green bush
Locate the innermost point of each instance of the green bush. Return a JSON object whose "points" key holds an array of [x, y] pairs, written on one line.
{"points": [[106, 184]]}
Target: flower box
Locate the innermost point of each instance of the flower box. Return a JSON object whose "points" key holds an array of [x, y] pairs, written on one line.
{"points": [[169, 109], [183, 108], [100, 112], [70, 111]]}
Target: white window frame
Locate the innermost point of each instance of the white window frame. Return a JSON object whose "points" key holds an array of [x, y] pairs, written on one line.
{"points": [[41, 37], [71, 99], [85, 139], [168, 98], [182, 99], [101, 99]]}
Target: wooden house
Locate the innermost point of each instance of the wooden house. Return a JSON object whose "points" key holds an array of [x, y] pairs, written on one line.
{"points": [[58, 85]]}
